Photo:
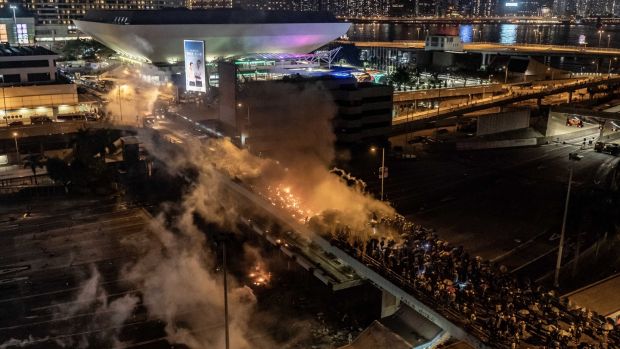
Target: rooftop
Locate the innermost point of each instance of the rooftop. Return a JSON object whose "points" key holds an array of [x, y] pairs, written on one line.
{"points": [[208, 16], [7, 51]]}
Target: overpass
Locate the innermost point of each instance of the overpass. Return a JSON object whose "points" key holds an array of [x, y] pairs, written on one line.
{"points": [[415, 121], [393, 286], [437, 93], [496, 48]]}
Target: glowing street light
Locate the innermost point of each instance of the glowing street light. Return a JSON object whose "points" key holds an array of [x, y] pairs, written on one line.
{"points": [[16, 146], [600, 35], [608, 39], [505, 67], [382, 169]]}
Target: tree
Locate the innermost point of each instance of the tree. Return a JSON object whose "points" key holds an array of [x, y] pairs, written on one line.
{"points": [[58, 170], [34, 161], [400, 76], [85, 49]]}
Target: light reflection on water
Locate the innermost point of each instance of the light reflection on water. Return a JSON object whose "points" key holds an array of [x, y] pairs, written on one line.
{"points": [[502, 33], [508, 34]]}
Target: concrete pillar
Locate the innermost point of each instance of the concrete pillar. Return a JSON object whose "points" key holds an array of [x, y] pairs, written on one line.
{"points": [[483, 66], [539, 102], [389, 304], [570, 96]]}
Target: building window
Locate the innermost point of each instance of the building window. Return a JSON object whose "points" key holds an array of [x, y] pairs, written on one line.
{"points": [[11, 78], [33, 77], [4, 37], [22, 33]]}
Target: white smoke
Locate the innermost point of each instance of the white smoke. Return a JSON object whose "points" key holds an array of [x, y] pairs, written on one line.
{"points": [[107, 317], [22, 343]]}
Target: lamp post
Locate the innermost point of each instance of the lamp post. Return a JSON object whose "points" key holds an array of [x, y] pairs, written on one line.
{"points": [[609, 68], [120, 101], [556, 280], [505, 74], [597, 64], [16, 147], [608, 40], [14, 7], [600, 35], [247, 123], [382, 172]]}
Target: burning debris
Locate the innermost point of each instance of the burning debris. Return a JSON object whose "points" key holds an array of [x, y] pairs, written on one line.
{"points": [[258, 276]]}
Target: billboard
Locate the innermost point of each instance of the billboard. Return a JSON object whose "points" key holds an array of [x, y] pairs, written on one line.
{"points": [[194, 51]]}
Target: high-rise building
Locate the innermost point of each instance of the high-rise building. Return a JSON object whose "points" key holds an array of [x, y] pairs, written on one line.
{"points": [[565, 7], [207, 4], [520, 7], [483, 8], [53, 18]]}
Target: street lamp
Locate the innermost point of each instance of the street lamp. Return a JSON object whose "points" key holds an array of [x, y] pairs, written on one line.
{"points": [[609, 68], [14, 8], [608, 39], [16, 146], [247, 123], [572, 157], [120, 101], [505, 74], [382, 170], [596, 62], [600, 35]]}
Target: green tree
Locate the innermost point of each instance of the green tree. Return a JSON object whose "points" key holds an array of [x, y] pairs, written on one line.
{"points": [[58, 170], [34, 161], [85, 49], [400, 76]]}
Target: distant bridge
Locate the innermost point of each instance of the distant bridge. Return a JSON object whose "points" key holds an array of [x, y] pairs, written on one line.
{"points": [[536, 20]]}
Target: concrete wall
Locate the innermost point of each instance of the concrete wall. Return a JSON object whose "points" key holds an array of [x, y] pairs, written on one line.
{"points": [[228, 97], [502, 122]]}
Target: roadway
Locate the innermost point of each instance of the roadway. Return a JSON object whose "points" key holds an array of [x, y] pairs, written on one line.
{"points": [[496, 48], [419, 120]]}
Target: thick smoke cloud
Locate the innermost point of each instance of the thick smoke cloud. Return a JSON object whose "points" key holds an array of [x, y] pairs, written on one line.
{"points": [[131, 98], [297, 130], [177, 273], [181, 287]]}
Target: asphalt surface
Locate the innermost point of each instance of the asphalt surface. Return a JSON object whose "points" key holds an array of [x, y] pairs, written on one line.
{"points": [[45, 258], [493, 202]]}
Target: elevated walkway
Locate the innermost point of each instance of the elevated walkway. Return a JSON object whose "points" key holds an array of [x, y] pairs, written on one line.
{"points": [[496, 48], [302, 232]]}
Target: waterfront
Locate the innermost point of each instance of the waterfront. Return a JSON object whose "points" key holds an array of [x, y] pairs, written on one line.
{"points": [[555, 34]]}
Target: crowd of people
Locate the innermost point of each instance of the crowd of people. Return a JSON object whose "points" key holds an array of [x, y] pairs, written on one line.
{"points": [[496, 306]]}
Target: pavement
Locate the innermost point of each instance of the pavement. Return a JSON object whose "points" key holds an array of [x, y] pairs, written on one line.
{"points": [[601, 297], [493, 202], [45, 257]]}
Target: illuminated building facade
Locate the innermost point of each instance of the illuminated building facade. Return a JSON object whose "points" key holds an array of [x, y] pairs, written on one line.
{"points": [[157, 35]]}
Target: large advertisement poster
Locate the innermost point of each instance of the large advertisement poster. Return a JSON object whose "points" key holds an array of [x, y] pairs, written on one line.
{"points": [[195, 65]]}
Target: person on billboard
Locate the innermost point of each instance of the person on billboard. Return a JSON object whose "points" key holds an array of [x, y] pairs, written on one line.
{"points": [[198, 73], [189, 75]]}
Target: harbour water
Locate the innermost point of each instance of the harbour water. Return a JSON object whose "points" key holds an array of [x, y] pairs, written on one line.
{"points": [[557, 34]]}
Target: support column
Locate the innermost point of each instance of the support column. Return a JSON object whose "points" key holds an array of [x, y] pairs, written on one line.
{"points": [[485, 56], [570, 96], [389, 304]]}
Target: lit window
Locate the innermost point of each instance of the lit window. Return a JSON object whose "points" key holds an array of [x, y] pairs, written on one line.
{"points": [[22, 33], [3, 34]]}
